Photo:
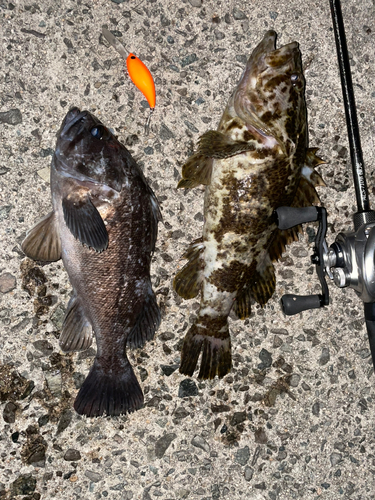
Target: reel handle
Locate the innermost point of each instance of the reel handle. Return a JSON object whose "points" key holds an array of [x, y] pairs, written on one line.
{"points": [[287, 217], [294, 304]]}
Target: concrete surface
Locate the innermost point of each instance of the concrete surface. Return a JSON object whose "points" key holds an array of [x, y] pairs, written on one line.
{"points": [[302, 428]]}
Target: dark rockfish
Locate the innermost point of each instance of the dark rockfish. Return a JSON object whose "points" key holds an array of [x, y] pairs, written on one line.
{"points": [[255, 162], [104, 227]]}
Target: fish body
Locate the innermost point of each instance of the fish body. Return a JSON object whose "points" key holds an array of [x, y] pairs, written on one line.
{"points": [[104, 227], [256, 161]]}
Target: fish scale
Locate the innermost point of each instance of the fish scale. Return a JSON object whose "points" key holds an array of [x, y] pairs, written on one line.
{"points": [[256, 161]]}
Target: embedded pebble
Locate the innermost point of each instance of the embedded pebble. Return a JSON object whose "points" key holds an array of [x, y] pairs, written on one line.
{"points": [[187, 388], [64, 421], [95, 477], [8, 283], [24, 485], [9, 413], [248, 473], [324, 357], [54, 382], [242, 455], [316, 408], [162, 444], [11, 117], [45, 174], [335, 458], [294, 380], [201, 443], [238, 14], [260, 436], [266, 359], [168, 369]]}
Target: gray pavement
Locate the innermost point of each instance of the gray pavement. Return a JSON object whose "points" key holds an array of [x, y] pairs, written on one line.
{"points": [[301, 425]]}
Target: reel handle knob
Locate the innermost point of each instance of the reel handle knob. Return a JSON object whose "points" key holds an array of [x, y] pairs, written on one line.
{"points": [[294, 304], [288, 217]]}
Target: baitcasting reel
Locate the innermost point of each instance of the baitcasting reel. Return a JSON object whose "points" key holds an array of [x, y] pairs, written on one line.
{"points": [[350, 260]]}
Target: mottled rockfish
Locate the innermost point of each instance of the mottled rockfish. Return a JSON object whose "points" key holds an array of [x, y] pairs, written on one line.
{"points": [[104, 227], [256, 161]]}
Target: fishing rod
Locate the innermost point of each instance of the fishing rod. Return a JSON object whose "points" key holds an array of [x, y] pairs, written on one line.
{"points": [[349, 261]]}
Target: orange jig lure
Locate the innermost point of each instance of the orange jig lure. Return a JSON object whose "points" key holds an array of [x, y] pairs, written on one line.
{"points": [[142, 78], [138, 72]]}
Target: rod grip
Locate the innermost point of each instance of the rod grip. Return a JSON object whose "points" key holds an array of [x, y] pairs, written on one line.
{"points": [[294, 304]]}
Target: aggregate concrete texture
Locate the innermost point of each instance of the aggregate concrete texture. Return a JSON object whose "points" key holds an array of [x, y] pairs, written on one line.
{"points": [[295, 417]]}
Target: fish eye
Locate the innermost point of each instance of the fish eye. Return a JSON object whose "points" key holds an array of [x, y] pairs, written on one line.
{"points": [[100, 132], [294, 78]]}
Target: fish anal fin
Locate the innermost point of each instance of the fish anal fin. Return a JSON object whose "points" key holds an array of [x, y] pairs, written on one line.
{"points": [[147, 323], [264, 283], [109, 392], [242, 304], [281, 240], [84, 222], [187, 282], [76, 333], [43, 242]]}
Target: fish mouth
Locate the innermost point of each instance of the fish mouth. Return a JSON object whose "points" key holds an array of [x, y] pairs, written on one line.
{"points": [[73, 124], [265, 54]]}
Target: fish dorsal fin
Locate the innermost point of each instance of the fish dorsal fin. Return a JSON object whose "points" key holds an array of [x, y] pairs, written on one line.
{"points": [[76, 333], [43, 242], [188, 281], [85, 222], [211, 145]]}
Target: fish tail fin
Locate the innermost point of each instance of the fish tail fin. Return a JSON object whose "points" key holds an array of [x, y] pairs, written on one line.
{"points": [[147, 323], [107, 392], [213, 340]]}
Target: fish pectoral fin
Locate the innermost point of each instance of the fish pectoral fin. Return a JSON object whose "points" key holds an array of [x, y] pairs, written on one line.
{"points": [[212, 145], [111, 388], [43, 242], [85, 222], [76, 332], [187, 282], [263, 283], [217, 145], [147, 323], [197, 170]]}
